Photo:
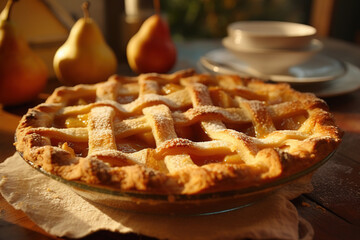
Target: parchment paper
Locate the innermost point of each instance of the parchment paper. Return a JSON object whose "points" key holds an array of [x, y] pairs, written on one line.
{"points": [[61, 212]]}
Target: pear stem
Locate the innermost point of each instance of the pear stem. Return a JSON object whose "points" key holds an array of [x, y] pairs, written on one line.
{"points": [[7, 9], [85, 7], [157, 6]]}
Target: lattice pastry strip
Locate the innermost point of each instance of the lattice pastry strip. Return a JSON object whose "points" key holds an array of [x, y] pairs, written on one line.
{"points": [[178, 133], [261, 118], [163, 130], [100, 129]]}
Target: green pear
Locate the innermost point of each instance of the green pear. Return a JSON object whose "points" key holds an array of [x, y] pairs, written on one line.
{"points": [[85, 56], [151, 49], [23, 74]]}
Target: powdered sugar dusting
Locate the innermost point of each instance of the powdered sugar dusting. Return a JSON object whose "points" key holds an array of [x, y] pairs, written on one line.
{"points": [[100, 129]]}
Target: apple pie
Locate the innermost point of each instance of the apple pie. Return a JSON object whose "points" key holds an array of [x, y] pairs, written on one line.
{"points": [[179, 133]]}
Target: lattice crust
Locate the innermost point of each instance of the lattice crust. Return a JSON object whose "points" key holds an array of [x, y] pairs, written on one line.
{"points": [[179, 133]]}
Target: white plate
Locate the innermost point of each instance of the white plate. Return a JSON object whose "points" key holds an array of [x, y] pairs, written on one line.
{"points": [[319, 68]]}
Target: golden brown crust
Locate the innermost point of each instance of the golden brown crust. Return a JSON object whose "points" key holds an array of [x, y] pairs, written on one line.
{"points": [[182, 133]]}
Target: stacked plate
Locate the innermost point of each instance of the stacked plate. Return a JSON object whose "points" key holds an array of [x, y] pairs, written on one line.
{"points": [[281, 52]]}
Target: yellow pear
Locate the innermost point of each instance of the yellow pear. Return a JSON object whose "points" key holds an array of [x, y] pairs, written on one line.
{"points": [[151, 49], [23, 74], [85, 56]]}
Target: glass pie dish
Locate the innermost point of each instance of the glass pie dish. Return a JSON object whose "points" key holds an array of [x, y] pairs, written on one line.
{"points": [[179, 204]]}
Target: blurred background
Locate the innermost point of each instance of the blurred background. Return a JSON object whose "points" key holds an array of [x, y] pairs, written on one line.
{"points": [[46, 23]]}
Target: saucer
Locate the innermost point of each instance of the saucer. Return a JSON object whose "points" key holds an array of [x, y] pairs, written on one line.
{"points": [[319, 68], [322, 75], [347, 83]]}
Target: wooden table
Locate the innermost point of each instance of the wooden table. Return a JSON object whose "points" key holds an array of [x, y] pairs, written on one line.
{"points": [[333, 208]]}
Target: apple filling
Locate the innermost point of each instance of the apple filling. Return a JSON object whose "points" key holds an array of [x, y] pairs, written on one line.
{"points": [[193, 132], [226, 159], [291, 123], [221, 98], [170, 88], [78, 121]]}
